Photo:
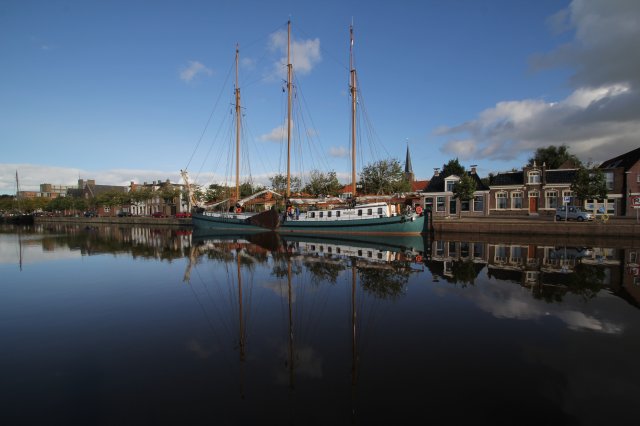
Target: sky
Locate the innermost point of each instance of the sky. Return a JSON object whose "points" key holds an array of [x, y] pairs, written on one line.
{"points": [[121, 91]]}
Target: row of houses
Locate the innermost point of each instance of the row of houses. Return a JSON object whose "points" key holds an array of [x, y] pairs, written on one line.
{"points": [[536, 190]]}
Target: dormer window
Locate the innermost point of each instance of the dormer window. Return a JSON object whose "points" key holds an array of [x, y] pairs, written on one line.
{"points": [[534, 177], [450, 182]]}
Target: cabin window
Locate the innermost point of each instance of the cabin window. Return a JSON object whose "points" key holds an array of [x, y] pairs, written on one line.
{"points": [[369, 212], [321, 214], [478, 203], [516, 200], [329, 249], [338, 250], [359, 252], [501, 200], [328, 214], [359, 212], [379, 255], [313, 215], [338, 213], [369, 254], [379, 210]]}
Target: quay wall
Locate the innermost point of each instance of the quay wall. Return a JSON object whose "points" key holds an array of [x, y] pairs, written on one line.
{"points": [[133, 220], [618, 228]]}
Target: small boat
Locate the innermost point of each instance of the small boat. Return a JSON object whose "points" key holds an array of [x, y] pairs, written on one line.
{"points": [[357, 219]]}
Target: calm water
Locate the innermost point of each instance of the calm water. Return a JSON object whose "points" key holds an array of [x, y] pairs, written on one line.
{"points": [[133, 325]]}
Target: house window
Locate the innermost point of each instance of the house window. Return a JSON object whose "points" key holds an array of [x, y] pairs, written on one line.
{"points": [[440, 204], [450, 185], [609, 179], [552, 199], [516, 200], [464, 205], [534, 177], [428, 203], [638, 178], [478, 203], [501, 200]]}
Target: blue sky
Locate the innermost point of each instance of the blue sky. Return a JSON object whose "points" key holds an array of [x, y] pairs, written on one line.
{"points": [[121, 91]]}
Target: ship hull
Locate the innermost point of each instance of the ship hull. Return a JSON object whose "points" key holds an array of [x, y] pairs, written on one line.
{"points": [[394, 225], [232, 223]]}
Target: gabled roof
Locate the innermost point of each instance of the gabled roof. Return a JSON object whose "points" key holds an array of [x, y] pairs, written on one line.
{"points": [[509, 178], [436, 184], [626, 160], [560, 176], [419, 185]]}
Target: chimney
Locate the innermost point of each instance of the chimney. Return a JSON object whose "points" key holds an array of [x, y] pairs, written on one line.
{"points": [[473, 169], [436, 172]]}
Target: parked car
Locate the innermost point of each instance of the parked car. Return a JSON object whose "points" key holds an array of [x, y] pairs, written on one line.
{"points": [[183, 214], [90, 213], [158, 214], [573, 213], [124, 214]]}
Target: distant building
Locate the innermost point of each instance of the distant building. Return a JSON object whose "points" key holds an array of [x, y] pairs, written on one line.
{"points": [[622, 174], [439, 198]]}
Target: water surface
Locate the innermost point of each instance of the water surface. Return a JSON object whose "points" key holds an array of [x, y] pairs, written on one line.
{"points": [[140, 325]]}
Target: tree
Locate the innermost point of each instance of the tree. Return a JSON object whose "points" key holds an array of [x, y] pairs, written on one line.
{"points": [[589, 183], [464, 189], [553, 157], [453, 167], [322, 184], [384, 177], [279, 183]]}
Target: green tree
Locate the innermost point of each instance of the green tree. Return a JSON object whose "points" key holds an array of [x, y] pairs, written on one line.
{"points": [[279, 183], [384, 177], [464, 189], [321, 183], [589, 183], [113, 198], [553, 157], [453, 167]]}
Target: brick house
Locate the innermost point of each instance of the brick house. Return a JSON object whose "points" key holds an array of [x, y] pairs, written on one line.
{"points": [[622, 174], [534, 190], [438, 196]]}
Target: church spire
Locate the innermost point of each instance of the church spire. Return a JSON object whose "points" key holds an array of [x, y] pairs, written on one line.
{"points": [[408, 168]]}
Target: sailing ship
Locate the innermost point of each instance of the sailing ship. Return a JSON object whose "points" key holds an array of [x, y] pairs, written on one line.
{"points": [[234, 219], [356, 219]]}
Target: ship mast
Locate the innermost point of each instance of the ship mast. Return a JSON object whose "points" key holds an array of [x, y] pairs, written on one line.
{"points": [[237, 93], [353, 114], [289, 78]]}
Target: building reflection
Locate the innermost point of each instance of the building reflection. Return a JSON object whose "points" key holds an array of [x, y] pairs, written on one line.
{"points": [[549, 268]]}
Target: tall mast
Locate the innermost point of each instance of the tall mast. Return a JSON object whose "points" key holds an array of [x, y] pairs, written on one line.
{"points": [[289, 78], [353, 114], [237, 128]]}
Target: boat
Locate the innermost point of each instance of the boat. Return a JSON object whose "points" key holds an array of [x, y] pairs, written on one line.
{"points": [[234, 220], [368, 218]]}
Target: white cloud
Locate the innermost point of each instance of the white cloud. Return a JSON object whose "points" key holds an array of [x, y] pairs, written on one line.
{"points": [[277, 134], [305, 54], [598, 120], [192, 70], [338, 152]]}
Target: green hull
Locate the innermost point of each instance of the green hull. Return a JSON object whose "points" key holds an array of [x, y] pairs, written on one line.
{"points": [[395, 225]]}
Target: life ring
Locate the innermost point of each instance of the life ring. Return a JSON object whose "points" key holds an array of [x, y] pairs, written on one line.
{"points": [[419, 210], [419, 259], [238, 210]]}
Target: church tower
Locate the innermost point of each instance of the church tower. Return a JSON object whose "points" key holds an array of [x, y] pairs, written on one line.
{"points": [[408, 168]]}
